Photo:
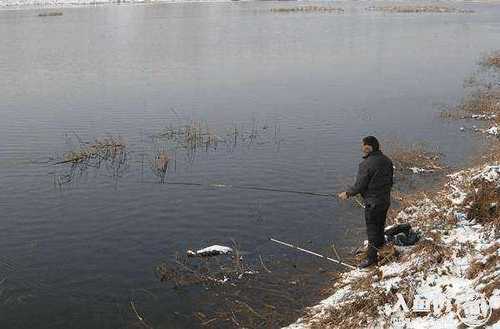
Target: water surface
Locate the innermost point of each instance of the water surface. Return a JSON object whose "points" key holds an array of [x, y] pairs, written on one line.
{"points": [[75, 257]]}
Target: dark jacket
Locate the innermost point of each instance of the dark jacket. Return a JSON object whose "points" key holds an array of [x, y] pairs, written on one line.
{"points": [[374, 180]]}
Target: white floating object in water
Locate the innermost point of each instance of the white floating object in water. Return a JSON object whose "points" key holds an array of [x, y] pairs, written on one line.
{"points": [[214, 250], [462, 128]]}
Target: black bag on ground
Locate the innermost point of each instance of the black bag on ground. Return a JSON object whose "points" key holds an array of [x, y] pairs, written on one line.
{"points": [[402, 235]]}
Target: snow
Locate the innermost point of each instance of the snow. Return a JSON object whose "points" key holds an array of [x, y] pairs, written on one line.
{"points": [[417, 170], [484, 116], [211, 251], [495, 131], [489, 173]]}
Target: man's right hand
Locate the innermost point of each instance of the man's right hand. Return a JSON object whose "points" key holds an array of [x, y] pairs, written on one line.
{"points": [[343, 196]]}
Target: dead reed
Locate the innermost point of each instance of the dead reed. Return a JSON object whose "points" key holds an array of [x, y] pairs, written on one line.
{"points": [[51, 13], [415, 158], [109, 152], [187, 140], [492, 59], [100, 149], [418, 9], [307, 9], [484, 203]]}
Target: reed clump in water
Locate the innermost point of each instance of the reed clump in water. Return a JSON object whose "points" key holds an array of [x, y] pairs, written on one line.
{"points": [[307, 9], [161, 164], [100, 149], [189, 139], [418, 9], [191, 136], [109, 151]]}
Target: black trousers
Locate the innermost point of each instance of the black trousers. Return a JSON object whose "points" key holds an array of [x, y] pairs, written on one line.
{"points": [[375, 215]]}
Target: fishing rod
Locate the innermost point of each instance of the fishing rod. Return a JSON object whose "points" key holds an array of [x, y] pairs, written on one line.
{"points": [[260, 188], [249, 187], [312, 253]]}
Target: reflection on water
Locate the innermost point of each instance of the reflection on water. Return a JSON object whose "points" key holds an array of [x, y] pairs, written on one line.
{"points": [[300, 90]]}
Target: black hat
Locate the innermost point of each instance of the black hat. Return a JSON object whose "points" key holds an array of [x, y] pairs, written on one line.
{"points": [[372, 141]]}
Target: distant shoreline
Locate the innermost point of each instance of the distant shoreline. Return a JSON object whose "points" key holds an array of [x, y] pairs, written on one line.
{"points": [[59, 4]]}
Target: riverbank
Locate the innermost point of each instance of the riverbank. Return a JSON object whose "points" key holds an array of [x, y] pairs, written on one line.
{"points": [[456, 261], [451, 277], [452, 270]]}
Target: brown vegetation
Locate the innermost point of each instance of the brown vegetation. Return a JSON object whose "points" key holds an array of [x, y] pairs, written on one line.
{"points": [[484, 203], [416, 157], [348, 315], [418, 9], [110, 152], [492, 59], [307, 9], [49, 14], [100, 149]]}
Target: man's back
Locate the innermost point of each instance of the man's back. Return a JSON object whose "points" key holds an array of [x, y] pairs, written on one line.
{"points": [[375, 178], [381, 170]]}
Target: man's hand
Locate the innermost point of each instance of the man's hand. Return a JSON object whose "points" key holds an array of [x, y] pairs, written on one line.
{"points": [[343, 196]]}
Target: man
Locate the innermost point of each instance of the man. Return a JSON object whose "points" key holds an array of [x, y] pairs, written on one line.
{"points": [[374, 182]]}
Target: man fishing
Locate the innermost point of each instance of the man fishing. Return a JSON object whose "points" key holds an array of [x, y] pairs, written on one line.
{"points": [[374, 182]]}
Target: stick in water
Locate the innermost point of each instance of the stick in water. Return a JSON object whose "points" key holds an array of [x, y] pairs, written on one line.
{"points": [[312, 253]]}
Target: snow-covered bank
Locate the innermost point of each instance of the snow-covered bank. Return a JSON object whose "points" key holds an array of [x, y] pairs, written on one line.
{"points": [[453, 270]]}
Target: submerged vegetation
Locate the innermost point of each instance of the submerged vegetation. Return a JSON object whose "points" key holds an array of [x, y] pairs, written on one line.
{"points": [[236, 285]]}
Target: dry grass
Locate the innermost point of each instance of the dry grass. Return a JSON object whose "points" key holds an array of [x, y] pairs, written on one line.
{"points": [[490, 287], [484, 203], [478, 267], [109, 152], [482, 103], [307, 9], [160, 164], [100, 149], [357, 313], [492, 59], [430, 252], [405, 157], [51, 13], [197, 136], [418, 9], [194, 135]]}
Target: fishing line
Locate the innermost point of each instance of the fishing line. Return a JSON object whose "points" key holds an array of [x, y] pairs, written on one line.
{"points": [[251, 188]]}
